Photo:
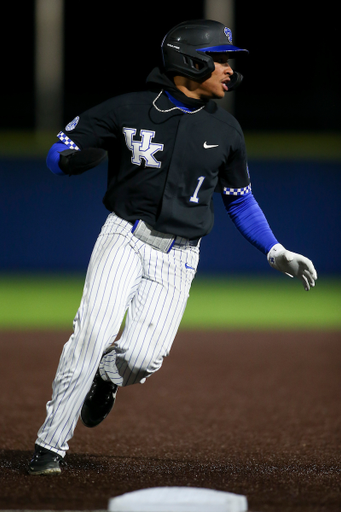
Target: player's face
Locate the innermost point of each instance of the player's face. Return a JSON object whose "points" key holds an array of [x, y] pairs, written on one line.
{"points": [[217, 84]]}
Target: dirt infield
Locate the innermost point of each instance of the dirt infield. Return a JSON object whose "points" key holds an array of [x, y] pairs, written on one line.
{"points": [[256, 414]]}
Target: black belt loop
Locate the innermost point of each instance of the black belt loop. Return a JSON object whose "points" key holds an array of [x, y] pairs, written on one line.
{"points": [[185, 241]]}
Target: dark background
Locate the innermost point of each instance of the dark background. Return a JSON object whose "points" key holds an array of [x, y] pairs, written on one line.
{"points": [[292, 78], [291, 82]]}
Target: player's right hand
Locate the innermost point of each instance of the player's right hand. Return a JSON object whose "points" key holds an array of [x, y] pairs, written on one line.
{"points": [[293, 264], [74, 161]]}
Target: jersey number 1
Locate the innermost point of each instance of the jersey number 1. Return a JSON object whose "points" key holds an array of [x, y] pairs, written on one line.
{"points": [[195, 198]]}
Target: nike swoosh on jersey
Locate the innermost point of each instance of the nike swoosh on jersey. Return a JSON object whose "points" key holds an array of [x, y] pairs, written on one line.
{"points": [[187, 266], [209, 146]]}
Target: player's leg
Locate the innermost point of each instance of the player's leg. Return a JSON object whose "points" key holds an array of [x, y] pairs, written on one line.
{"points": [[153, 317], [112, 279]]}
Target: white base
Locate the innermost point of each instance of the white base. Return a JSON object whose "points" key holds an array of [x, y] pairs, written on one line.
{"points": [[178, 499]]}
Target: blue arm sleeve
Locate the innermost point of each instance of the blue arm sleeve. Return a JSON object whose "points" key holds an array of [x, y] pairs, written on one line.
{"points": [[52, 159], [250, 220]]}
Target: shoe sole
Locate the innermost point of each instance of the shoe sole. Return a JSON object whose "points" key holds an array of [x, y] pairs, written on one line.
{"points": [[94, 424], [47, 472]]}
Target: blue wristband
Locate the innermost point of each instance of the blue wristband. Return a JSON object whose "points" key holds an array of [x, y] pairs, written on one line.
{"points": [[52, 159]]}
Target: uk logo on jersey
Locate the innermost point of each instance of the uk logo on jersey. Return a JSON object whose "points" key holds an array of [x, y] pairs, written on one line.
{"points": [[143, 148]]}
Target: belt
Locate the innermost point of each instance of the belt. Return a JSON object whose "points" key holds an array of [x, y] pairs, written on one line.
{"points": [[180, 241], [160, 241]]}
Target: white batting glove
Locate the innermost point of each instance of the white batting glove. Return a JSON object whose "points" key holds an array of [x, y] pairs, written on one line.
{"points": [[293, 265]]}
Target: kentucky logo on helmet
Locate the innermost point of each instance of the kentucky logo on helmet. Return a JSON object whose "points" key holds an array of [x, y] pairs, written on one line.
{"points": [[228, 34]]}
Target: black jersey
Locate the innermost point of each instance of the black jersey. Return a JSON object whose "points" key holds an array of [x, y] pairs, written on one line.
{"points": [[164, 164]]}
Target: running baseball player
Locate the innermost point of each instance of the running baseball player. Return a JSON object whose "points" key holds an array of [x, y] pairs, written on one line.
{"points": [[169, 148]]}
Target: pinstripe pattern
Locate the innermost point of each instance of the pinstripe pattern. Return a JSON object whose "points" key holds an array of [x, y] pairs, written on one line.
{"points": [[123, 274]]}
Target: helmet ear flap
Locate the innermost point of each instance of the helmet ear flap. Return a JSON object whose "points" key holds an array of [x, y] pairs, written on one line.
{"points": [[188, 62], [199, 67], [185, 61]]}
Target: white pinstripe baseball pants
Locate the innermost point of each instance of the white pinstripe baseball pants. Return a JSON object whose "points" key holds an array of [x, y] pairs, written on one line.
{"points": [[124, 274]]}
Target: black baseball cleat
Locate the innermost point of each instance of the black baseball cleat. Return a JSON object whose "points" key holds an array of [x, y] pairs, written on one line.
{"points": [[44, 462], [98, 402]]}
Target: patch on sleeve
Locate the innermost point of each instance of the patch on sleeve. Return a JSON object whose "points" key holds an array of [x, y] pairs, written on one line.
{"points": [[237, 191], [68, 142], [72, 125]]}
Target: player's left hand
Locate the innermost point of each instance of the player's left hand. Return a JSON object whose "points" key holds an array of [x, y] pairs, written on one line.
{"points": [[293, 264]]}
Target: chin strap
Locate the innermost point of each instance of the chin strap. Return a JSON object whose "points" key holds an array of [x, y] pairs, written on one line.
{"points": [[236, 80]]}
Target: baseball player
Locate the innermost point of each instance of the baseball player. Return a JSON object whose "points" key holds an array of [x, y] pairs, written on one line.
{"points": [[169, 148]]}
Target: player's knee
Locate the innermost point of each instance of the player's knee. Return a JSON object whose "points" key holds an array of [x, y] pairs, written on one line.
{"points": [[140, 369]]}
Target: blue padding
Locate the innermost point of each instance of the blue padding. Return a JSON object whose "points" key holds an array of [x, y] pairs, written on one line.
{"points": [[178, 103], [52, 159], [222, 48], [250, 220]]}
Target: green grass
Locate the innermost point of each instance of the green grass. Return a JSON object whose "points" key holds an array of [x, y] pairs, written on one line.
{"points": [[51, 301], [293, 146], [263, 303], [36, 301], [324, 146]]}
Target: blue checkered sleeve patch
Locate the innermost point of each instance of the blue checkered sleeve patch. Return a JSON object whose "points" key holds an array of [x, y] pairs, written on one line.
{"points": [[67, 141], [237, 191]]}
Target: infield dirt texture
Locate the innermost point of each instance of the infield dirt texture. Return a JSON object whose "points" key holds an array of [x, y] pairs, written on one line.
{"points": [[252, 413]]}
